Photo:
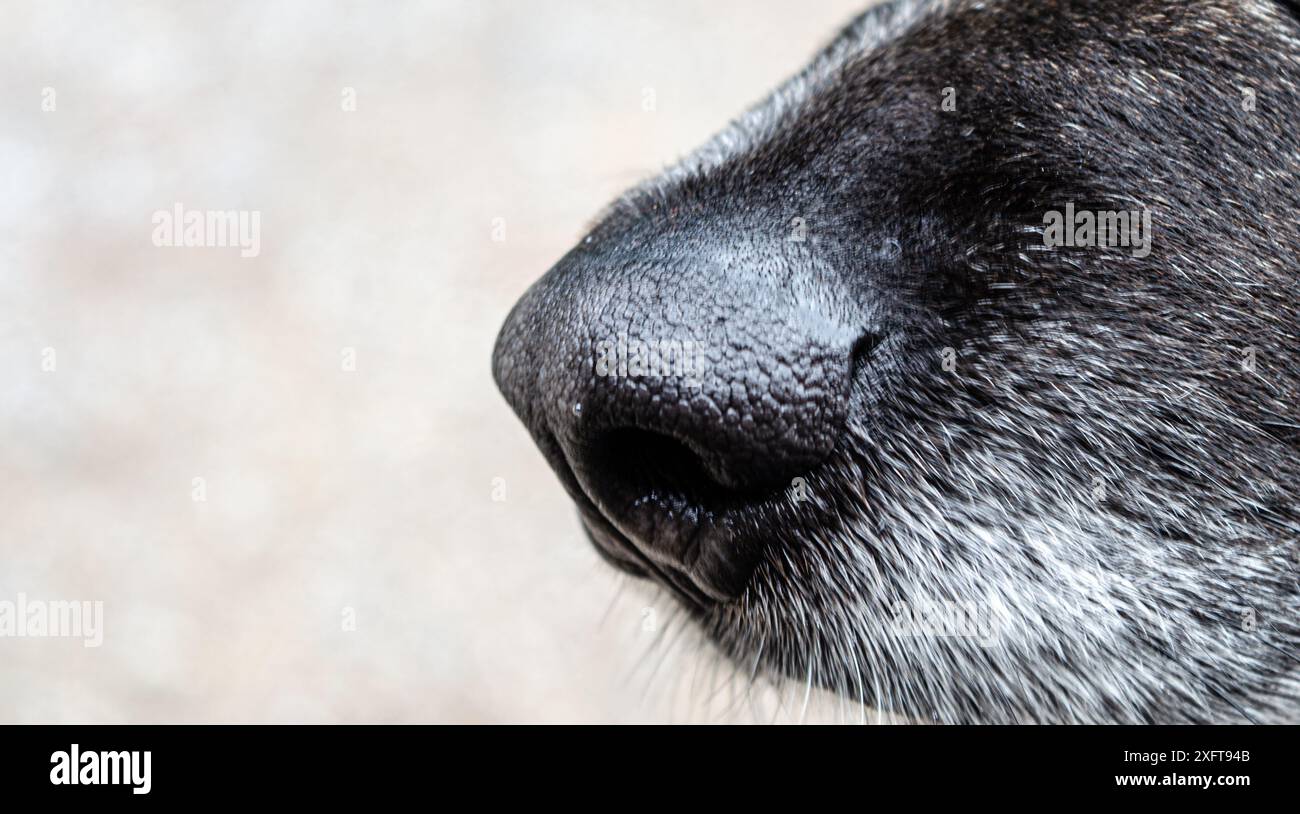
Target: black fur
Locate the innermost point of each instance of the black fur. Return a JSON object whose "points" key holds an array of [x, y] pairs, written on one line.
{"points": [[1098, 448]]}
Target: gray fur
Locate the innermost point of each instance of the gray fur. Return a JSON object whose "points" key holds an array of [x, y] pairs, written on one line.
{"points": [[1100, 470]]}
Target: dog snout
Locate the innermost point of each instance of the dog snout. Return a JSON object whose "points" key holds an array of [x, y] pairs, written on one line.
{"points": [[675, 389]]}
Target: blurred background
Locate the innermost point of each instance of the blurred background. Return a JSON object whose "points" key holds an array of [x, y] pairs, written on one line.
{"points": [[289, 477]]}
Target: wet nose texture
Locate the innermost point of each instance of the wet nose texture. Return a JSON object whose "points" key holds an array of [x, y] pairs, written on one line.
{"points": [[746, 409], [675, 392]]}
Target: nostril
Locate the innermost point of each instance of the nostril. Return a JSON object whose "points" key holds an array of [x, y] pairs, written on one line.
{"points": [[650, 465], [744, 435], [663, 499]]}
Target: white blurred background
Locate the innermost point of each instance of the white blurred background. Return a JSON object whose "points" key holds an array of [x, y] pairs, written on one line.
{"points": [[331, 498]]}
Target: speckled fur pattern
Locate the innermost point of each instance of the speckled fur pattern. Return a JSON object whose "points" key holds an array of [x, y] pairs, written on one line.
{"points": [[1110, 458]]}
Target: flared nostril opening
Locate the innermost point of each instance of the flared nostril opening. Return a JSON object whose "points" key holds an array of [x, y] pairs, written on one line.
{"points": [[656, 496], [647, 464]]}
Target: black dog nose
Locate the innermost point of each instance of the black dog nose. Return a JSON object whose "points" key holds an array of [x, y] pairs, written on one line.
{"points": [[742, 401], [672, 386]]}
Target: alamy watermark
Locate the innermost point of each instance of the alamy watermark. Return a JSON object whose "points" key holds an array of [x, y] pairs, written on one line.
{"points": [[37, 618], [77, 767], [179, 226], [965, 620], [660, 358], [1086, 228]]}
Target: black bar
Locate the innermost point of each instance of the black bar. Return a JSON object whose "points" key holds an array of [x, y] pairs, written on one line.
{"points": [[366, 763]]}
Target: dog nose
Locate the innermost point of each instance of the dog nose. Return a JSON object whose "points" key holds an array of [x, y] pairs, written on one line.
{"points": [[672, 386]]}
